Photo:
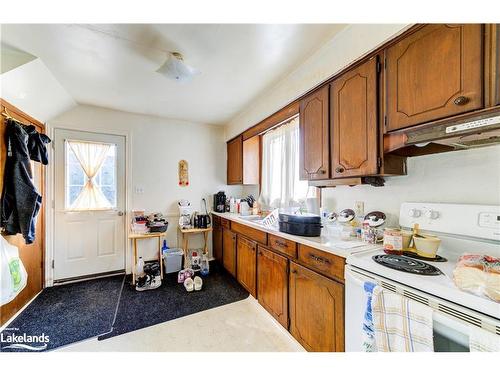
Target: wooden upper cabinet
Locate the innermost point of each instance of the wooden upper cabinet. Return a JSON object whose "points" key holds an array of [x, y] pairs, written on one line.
{"points": [[495, 69], [229, 251], [316, 310], [354, 131], [314, 142], [251, 161], [235, 161], [272, 284], [246, 260], [434, 73]]}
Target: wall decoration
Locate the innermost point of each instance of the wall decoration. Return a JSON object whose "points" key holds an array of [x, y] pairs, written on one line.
{"points": [[183, 173]]}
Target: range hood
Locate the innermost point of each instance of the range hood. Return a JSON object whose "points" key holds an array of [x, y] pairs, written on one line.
{"points": [[478, 130]]}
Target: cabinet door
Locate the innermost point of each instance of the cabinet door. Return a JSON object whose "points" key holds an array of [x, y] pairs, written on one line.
{"points": [[316, 310], [217, 242], [251, 161], [495, 49], [314, 143], [434, 73], [246, 261], [354, 122], [235, 161], [229, 251], [272, 284]]}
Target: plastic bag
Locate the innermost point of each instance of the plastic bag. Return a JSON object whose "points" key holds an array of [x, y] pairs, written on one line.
{"points": [[13, 275], [478, 274]]}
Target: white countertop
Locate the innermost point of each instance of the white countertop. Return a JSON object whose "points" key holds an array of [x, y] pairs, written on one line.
{"points": [[328, 244]]}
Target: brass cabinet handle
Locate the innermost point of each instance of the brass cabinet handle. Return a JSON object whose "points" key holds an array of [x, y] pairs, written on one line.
{"points": [[319, 259], [339, 170], [461, 100], [261, 253], [294, 271], [280, 243], [322, 171]]}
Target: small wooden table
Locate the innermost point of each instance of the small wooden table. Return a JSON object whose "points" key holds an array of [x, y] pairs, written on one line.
{"points": [[185, 239], [140, 236]]}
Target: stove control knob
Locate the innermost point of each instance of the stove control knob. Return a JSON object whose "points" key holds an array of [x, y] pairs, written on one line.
{"points": [[414, 212], [431, 214]]}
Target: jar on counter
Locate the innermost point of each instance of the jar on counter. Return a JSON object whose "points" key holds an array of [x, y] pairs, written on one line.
{"points": [[393, 241]]}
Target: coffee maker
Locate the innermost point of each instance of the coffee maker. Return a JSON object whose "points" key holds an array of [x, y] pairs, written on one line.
{"points": [[219, 201]]}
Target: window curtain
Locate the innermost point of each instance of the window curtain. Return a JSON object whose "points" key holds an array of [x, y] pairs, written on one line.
{"points": [[281, 186], [91, 157]]}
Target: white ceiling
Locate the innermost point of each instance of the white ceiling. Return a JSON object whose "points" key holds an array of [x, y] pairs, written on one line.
{"points": [[114, 65]]}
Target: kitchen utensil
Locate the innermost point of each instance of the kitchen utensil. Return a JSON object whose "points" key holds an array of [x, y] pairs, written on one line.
{"points": [[346, 216]]}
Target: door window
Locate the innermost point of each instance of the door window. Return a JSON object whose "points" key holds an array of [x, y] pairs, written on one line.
{"points": [[90, 171]]}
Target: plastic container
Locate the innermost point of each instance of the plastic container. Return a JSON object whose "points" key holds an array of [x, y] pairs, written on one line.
{"points": [[139, 268], [172, 259]]}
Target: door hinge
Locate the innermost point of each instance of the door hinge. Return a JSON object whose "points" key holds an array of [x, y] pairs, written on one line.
{"points": [[385, 63], [53, 262], [385, 120], [379, 162], [378, 66]]}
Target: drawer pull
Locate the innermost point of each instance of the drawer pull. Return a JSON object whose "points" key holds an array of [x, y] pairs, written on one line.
{"points": [[339, 170], [280, 243], [319, 259]]}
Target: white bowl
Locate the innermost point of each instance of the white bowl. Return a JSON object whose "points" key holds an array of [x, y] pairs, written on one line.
{"points": [[427, 246]]}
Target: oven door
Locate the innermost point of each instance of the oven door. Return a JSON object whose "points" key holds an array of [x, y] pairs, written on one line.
{"points": [[450, 335]]}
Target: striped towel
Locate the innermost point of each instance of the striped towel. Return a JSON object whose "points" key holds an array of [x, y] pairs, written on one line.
{"points": [[401, 325], [368, 330]]}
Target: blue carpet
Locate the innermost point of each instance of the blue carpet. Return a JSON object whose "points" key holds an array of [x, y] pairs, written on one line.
{"points": [[68, 313], [109, 307], [171, 300]]}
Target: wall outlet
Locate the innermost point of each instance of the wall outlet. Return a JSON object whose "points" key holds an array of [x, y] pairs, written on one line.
{"points": [[359, 208], [139, 190]]}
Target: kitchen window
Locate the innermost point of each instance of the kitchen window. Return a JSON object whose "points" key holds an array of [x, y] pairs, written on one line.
{"points": [[281, 186]]}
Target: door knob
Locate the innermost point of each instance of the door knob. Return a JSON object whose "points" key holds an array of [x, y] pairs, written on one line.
{"points": [[339, 170], [120, 213], [461, 100]]}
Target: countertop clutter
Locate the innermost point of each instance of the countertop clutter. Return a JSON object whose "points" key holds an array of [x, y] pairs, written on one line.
{"points": [[328, 244]]}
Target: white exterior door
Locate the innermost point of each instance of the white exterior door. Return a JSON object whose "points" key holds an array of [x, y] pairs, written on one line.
{"points": [[89, 211]]}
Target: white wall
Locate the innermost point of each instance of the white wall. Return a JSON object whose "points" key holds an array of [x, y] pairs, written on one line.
{"points": [[468, 176], [33, 89], [348, 45], [157, 145]]}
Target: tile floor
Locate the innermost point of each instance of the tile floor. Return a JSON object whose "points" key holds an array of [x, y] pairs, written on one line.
{"points": [[242, 326]]}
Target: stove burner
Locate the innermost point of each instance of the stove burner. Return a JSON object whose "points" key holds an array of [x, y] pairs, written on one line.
{"points": [[401, 263], [438, 258]]}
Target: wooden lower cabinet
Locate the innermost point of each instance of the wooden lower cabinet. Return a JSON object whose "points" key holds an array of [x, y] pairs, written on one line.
{"points": [[316, 310], [246, 260], [229, 251], [272, 284], [217, 242]]}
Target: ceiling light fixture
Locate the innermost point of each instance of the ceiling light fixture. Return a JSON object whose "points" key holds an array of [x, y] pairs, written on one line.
{"points": [[175, 68]]}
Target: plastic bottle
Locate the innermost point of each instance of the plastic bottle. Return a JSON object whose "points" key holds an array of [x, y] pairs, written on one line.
{"points": [[164, 248], [205, 265], [139, 270]]}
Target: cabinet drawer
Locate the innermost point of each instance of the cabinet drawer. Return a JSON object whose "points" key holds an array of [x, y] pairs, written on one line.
{"points": [[250, 232], [283, 246], [225, 223], [328, 264]]}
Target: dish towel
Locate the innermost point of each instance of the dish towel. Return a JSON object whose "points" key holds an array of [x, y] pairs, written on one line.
{"points": [[400, 324], [483, 341], [368, 330]]}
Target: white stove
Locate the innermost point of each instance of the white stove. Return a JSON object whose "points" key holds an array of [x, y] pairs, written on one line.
{"points": [[473, 229]]}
